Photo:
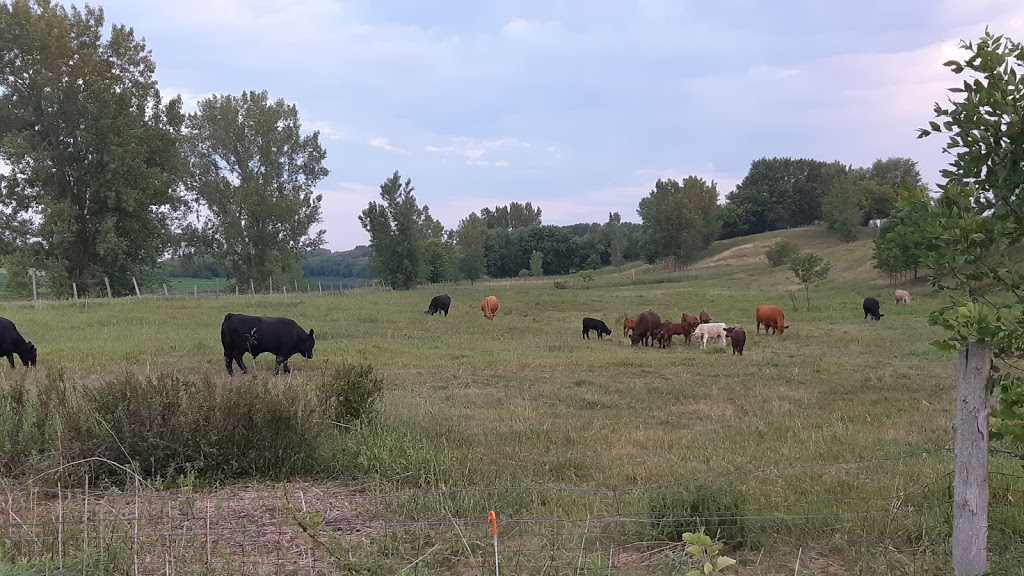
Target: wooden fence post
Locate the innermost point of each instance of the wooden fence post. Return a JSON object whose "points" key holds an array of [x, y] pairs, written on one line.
{"points": [[320, 285], [74, 290], [195, 291], [137, 293], [284, 289], [236, 288], [34, 296], [296, 284], [110, 295], [165, 290], [271, 284], [970, 481], [252, 286]]}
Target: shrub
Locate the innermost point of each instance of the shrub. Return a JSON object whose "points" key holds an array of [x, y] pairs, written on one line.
{"points": [[716, 508], [351, 394], [29, 420], [167, 425], [780, 252]]}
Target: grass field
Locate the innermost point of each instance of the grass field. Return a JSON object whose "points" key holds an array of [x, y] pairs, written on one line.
{"points": [[831, 440]]}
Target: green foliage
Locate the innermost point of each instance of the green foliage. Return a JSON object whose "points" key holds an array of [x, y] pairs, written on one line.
{"points": [[616, 239], [594, 262], [19, 282], [843, 206], [537, 264], [898, 244], [471, 241], [92, 148], [717, 508], [351, 394], [968, 231], [397, 232], [586, 276], [29, 421], [252, 185], [810, 269], [512, 217], [707, 553], [680, 218], [354, 263], [780, 252]]}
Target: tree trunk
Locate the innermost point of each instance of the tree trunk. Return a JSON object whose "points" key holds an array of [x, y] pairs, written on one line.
{"points": [[970, 483]]}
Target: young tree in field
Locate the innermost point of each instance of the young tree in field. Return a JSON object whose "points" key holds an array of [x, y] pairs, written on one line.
{"points": [[971, 231], [252, 180], [810, 269], [898, 244], [92, 149], [470, 240], [537, 264], [680, 218], [396, 233]]}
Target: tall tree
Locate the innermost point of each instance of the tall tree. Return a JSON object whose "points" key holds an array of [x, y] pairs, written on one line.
{"points": [[471, 241], [396, 228], [894, 172], [438, 250], [252, 182], [92, 150], [511, 217], [680, 218], [899, 243], [616, 238]]}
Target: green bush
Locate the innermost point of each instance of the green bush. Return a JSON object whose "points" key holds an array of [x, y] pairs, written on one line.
{"points": [[780, 252], [351, 394], [716, 508], [29, 420]]}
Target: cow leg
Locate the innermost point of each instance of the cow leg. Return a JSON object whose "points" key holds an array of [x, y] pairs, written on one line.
{"points": [[585, 335], [241, 363], [227, 364], [10, 358]]}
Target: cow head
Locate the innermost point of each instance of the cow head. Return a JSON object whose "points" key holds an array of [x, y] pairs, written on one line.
{"points": [[28, 354], [307, 346], [782, 329]]}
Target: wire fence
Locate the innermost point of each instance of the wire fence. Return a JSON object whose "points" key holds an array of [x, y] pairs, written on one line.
{"points": [[331, 528]]}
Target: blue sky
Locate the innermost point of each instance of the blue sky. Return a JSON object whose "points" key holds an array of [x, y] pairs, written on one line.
{"points": [[575, 105]]}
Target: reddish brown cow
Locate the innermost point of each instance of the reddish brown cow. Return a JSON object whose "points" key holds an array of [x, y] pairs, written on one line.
{"points": [[770, 317], [738, 337], [705, 318], [489, 306], [669, 329], [628, 325], [692, 322]]}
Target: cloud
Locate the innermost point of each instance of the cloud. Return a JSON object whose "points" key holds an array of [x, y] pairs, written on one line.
{"points": [[342, 203], [325, 129], [477, 152], [384, 145]]}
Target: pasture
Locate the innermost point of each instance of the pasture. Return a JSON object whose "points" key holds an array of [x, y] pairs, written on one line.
{"points": [[829, 443]]}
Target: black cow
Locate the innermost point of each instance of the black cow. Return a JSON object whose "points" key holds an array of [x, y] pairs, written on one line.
{"points": [[11, 343], [439, 304], [871, 306], [282, 337], [646, 324], [595, 324]]}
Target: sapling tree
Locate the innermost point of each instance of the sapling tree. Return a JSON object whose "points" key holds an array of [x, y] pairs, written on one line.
{"points": [[810, 269]]}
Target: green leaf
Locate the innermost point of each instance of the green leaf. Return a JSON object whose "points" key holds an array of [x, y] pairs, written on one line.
{"points": [[723, 562], [709, 568], [695, 550]]}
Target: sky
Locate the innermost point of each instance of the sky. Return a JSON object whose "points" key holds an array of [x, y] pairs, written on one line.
{"points": [[576, 105]]}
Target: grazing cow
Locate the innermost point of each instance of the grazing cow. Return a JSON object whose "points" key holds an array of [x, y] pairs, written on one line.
{"points": [[692, 322], [770, 317], [704, 317], [710, 331], [738, 337], [871, 306], [439, 304], [282, 337], [627, 326], [902, 296], [489, 307], [595, 324], [646, 323], [669, 329], [11, 343]]}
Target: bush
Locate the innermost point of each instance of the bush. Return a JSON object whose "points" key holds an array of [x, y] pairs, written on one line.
{"points": [[714, 507], [351, 395], [29, 420], [166, 426], [780, 252]]}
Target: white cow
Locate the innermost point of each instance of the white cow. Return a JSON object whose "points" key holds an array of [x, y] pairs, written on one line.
{"points": [[902, 296], [710, 331]]}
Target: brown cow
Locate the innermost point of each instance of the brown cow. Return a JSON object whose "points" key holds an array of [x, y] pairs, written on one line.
{"points": [[646, 323], [627, 326], [705, 318], [771, 317], [489, 306], [669, 329], [738, 337], [692, 322]]}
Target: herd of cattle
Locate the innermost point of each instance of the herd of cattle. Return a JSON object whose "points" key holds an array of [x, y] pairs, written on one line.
{"points": [[284, 338]]}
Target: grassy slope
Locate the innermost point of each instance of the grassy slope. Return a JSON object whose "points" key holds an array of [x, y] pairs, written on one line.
{"points": [[523, 400]]}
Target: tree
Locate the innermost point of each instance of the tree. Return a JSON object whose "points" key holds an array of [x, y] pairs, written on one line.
{"points": [[438, 250], [616, 238], [680, 218], [92, 148], [252, 185], [810, 269], [471, 240], [396, 233], [898, 244], [512, 217], [895, 172], [843, 206], [537, 264], [970, 233]]}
